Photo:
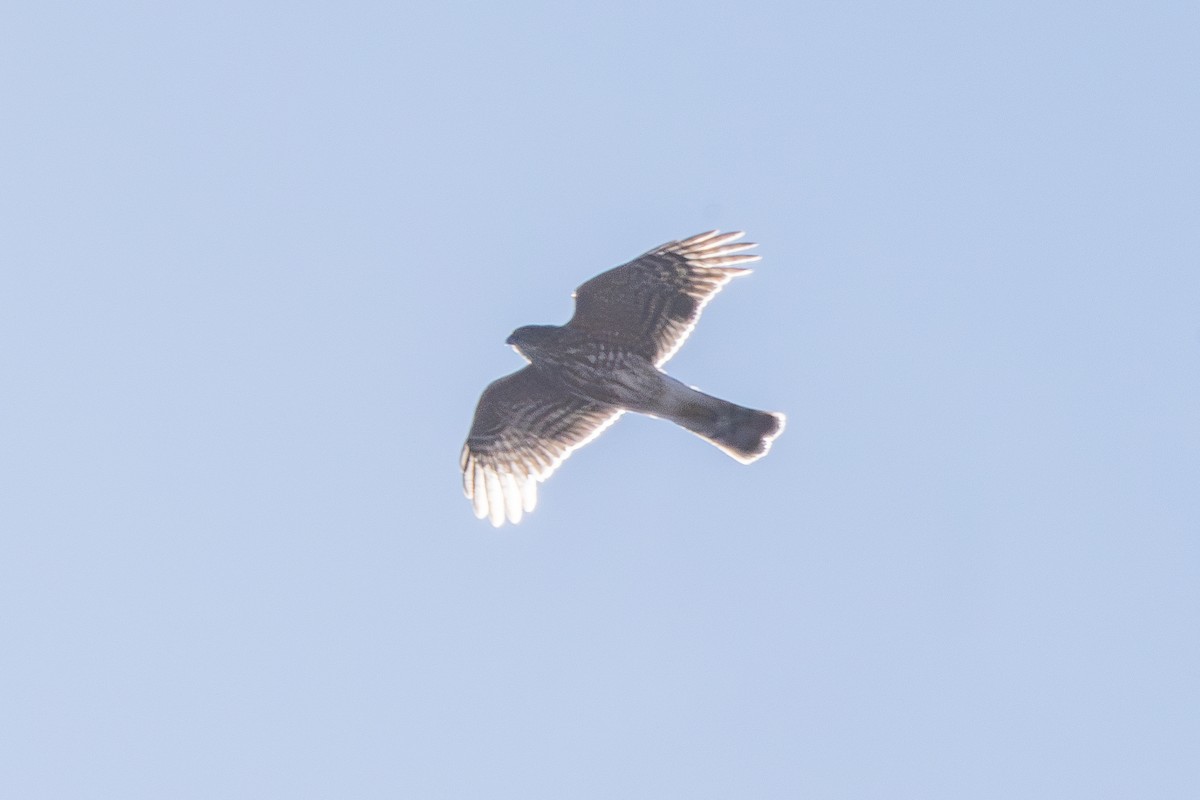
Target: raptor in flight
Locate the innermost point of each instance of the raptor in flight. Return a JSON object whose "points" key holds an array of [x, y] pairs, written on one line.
{"points": [[605, 361]]}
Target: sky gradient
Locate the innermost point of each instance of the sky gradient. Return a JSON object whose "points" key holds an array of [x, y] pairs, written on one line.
{"points": [[261, 259]]}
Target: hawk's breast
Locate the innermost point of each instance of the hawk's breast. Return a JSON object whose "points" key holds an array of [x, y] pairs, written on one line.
{"points": [[606, 373]]}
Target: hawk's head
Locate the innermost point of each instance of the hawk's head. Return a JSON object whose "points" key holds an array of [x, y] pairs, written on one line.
{"points": [[529, 339], [533, 336]]}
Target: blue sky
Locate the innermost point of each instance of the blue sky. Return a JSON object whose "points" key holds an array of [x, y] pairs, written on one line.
{"points": [[262, 258]]}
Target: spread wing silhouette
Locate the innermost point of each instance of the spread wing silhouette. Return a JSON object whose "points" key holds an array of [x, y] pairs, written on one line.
{"points": [[524, 427], [651, 304]]}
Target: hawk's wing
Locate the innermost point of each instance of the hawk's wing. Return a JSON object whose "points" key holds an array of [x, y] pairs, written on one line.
{"points": [[652, 303], [523, 429]]}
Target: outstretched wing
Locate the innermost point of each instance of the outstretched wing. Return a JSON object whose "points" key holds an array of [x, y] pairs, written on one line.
{"points": [[651, 304], [523, 429]]}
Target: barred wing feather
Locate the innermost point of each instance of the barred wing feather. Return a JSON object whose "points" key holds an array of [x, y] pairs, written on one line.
{"points": [[652, 303], [524, 427]]}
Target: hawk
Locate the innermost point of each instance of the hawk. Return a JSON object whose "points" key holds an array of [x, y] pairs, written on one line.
{"points": [[605, 361]]}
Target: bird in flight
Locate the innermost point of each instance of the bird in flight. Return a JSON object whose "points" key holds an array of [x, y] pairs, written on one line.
{"points": [[605, 361]]}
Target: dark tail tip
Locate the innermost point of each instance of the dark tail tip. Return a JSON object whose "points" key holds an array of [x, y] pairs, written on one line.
{"points": [[748, 434]]}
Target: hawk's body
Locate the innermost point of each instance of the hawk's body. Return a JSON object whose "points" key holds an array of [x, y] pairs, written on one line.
{"points": [[606, 360]]}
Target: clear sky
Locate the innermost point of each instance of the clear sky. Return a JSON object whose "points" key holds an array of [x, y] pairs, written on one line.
{"points": [[259, 260]]}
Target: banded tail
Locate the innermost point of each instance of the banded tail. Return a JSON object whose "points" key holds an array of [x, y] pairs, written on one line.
{"points": [[744, 433]]}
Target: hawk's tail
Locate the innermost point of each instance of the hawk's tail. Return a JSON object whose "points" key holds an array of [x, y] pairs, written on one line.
{"points": [[744, 433]]}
